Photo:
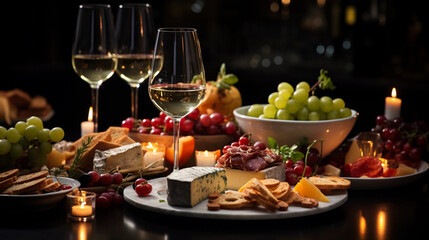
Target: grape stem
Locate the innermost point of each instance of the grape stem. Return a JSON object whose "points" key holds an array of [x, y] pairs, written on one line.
{"points": [[323, 82], [308, 152]]}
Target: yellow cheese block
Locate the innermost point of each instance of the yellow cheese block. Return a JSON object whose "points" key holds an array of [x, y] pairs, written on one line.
{"points": [[404, 170], [353, 154], [237, 178], [55, 159], [306, 188]]}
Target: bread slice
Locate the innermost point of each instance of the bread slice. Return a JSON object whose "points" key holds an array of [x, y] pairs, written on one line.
{"points": [[330, 182], [7, 183], [26, 187], [51, 187], [117, 132], [8, 174], [31, 177], [124, 140], [87, 160]]}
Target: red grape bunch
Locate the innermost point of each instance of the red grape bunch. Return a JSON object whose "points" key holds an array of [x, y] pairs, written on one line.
{"points": [[405, 142], [192, 124]]}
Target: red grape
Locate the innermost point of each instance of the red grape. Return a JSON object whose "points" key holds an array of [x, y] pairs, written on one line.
{"points": [[143, 189], [225, 149], [117, 199], [117, 178], [106, 179], [407, 147], [300, 162], [157, 121], [415, 153], [128, 123], [298, 170], [187, 125], [259, 145], [212, 130], [146, 122], [393, 134], [243, 141], [380, 120], [230, 128], [194, 114], [205, 120], [292, 178], [235, 144], [138, 181], [216, 118], [289, 163], [162, 115], [102, 202], [94, 176], [307, 172], [421, 141], [155, 131]]}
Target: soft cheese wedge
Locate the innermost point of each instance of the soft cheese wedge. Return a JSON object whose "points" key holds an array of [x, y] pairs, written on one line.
{"points": [[124, 157], [307, 189], [189, 186], [237, 178]]}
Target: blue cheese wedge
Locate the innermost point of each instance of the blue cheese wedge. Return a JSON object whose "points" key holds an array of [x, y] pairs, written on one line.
{"points": [[189, 186], [124, 157]]}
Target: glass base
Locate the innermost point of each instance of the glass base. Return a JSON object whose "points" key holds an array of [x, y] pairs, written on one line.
{"points": [[81, 219]]}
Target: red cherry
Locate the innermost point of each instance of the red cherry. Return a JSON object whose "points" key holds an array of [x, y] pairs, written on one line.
{"points": [[225, 149], [143, 189], [139, 181], [243, 141]]}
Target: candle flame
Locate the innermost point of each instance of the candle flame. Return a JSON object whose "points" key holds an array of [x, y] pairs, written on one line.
{"points": [[82, 204], [394, 92], [90, 114]]}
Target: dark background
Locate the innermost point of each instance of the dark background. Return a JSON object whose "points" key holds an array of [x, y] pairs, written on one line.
{"points": [[263, 42]]}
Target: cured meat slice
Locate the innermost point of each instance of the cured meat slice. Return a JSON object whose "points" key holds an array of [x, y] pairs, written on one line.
{"points": [[366, 166]]}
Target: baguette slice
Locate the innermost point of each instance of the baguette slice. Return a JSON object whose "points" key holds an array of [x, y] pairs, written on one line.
{"points": [[51, 187], [30, 186], [31, 177], [330, 182], [7, 183], [8, 174]]}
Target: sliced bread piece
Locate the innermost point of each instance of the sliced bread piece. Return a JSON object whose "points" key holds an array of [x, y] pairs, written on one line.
{"points": [[7, 183], [30, 186], [51, 187], [31, 177], [330, 182], [8, 174]]}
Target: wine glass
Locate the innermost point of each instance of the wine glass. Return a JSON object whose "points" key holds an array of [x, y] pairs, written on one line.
{"points": [[180, 85], [135, 38], [94, 49]]}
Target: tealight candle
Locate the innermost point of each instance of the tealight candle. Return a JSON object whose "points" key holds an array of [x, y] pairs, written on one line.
{"points": [[152, 153], [87, 126], [205, 158], [392, 107], [81, 205]]}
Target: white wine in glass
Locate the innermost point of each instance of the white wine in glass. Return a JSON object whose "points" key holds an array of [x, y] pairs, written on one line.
{"points": [[94, 49], [135, 38], [180, 84]]}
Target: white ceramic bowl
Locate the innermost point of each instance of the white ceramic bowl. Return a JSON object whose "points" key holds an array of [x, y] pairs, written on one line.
{"points": [[289, 132]]}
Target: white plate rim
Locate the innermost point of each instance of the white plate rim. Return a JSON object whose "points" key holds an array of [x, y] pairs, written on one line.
{"points": [[157, 203]]}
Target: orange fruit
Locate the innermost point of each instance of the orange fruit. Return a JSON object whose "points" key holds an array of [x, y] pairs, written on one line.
{"points": [[186, 150]]}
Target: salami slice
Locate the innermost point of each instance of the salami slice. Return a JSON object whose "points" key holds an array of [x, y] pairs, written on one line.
{"points": [[366, 166]]}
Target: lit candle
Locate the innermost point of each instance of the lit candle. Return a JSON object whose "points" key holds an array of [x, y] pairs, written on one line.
{"points": [[82, 210], [87, 126], [206, 158], [392, 106], [152, 153]]}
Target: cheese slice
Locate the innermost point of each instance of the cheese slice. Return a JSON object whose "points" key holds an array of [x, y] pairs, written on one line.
{"points": [[306, 188], [124, 157], [353, 153], [189, 186], [237, 178]]}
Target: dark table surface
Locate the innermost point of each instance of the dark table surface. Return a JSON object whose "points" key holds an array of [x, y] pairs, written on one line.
{"points": [[397, 213]]}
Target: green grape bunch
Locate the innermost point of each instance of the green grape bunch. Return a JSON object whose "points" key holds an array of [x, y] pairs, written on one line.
{"points": [[27, 138], [301, 103]]}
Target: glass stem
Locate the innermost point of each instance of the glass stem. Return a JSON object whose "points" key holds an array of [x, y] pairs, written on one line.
{"points": [[94, 100], [134, 101], [176, 133]]}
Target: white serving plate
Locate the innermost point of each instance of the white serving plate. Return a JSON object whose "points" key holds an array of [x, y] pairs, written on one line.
{"points": [[157, 203], [388, 182], [37, 202]]}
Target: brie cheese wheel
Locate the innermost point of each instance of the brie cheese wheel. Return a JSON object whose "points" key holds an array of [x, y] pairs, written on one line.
{"points": [[124, 157], [189, 186]]}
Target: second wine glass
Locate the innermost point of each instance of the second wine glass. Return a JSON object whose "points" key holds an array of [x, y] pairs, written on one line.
{"points": [[135, 38], [180, 85]]}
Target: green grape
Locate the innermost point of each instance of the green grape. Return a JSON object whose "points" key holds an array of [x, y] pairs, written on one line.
{"points": [[45, 148], [270, 111], [5, 146], [303, 85], [33, 154], [280, 102], [322, 115], [31, 132], [16, 151], [262, 116], [56, 134], [20, 126], [35, 121], [300, 95], [3, 132], [13, 135], [338, 104], [282, 114], [24, 143], [292, 106], [43, 135], [285, 93], [292, 116], [326, 104], [255, 110], [334, 114], [313, 103], [285, 85], [345, 112], [303, 114], [272, 97], [314, 116]]}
